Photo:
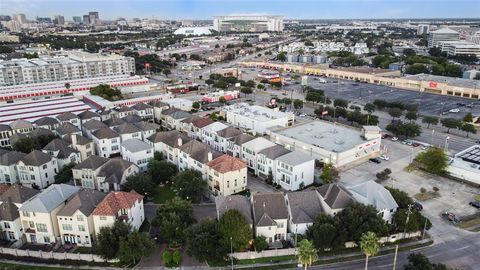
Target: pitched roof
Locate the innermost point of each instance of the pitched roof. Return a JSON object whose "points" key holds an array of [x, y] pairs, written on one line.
{"points": [[115, 201], [136, 145], [274, 151], [46, 121], [18, 124], [67, 128], [17, 137], [226, 163], [9, 211], [199, 151], [63, 148], [105, 133], [66, 116], [36, 158], [214, 127], [4, 127], [169, 138], [88, 115], [304, 206], [267, 207], [146, 126], [93, 162], [126, 128], [81, 140], [237, 202], [141, 106], [123, 109], [295, 158], [114, 121], [158, 104], [229, 132], [242, 138], [3, 188], [40, 132], [201, 122], [84, 201], [132, 118], [11, 157], [335, 195], [49, 199], [176, 113], [374, 194], [258, 144], [114, 169], [18, 193], [190, 119], [93, 124]]}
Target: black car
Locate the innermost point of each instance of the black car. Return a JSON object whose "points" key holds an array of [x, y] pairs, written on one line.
{"points": [[475, 204], [417, 206], [461, 104], [375, 160]]}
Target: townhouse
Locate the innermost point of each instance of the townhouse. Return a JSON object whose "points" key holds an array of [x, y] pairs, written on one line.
{"points": [[234, 145], [250, 150], [234, 202], [75, 218], [224, 136], [143, 110], [114, 173], [39, 214], [114, 122], [85, 173], [21, 126], [137, 152], [46, 122], [227, 175], [88, 115], [8, 166], [124, 111], [71, 118], [294, 170], [334, 198], [171, 118], [147, 129], [62, 151], [91, 126], [119, 205], [168, 143], [193, 126], [266, 160], [5, 134], [107, 142], [158, 107], [270, 216], [84, 146], [67, 129], [195, 155], [37, 169], [209, 134], [303, 207], [132, 118]]}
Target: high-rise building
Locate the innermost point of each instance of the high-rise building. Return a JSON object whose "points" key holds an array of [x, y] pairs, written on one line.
{"points": [[248, 23], [86, 19], [21, 18], [59, 20], [444, 34], [94, 17], [77, 19], [423, 29], [14, 26], [44, 20], [5, 18]]}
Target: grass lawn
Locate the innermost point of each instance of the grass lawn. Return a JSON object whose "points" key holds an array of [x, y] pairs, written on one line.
{"points": [[426, 196], [469, 223], [27, 267], [84, 250], [163, 194]]}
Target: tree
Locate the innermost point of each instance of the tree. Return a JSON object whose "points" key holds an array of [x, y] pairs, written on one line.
{"points": [[260, 86], [234, 226], [418, 261], [314, 96], [434, 160], [196, 105], [167, 258], [430, 120], [416, 221], [141, 183], [134, 247], [395, 112], [380, 103], [369, 107], [308, 43], [209, 81], [173, 218], [177, 258], [246, 90], [340, 102], [222, 100], [435, 51], [108, 239], [297, 104], [451, 123], [329, 173], [107, 92], [282, 57], [417, 69], [204, 242], [370, 245], [307, 254], [162, 171], [25, 145], [468, 118], [323, 233], [409, 52], [468, 128], [67, 85], [411, 130], [189, 185], [411, 115], [401, 197], [65, 174], [260, 243]]}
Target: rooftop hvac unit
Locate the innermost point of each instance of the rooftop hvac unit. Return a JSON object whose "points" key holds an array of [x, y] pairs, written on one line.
{"points": [[339, 142]]}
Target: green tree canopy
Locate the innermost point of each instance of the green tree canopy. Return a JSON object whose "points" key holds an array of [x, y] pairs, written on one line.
{"points": [[260, 243], [370, 245], [232, 224], [430, 120], [161, 171], [134, 247], [189, 185], [418, 261], [173, 218], [434, 160], [450, 123], [108, 239], [307, 254], [204, 242], [65, 174], [107, 92], [141, 183]]}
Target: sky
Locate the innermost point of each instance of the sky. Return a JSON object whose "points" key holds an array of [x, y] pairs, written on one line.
{"points": [[205, 9]]}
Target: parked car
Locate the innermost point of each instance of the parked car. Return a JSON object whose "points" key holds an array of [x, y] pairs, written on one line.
{"points": [[417, 206], [415, 144], [394, 139], [385, 136], [454, 110], [384, 157], [450, 217], [425, 147], [375, 160], [461, 104], [475, 204]]}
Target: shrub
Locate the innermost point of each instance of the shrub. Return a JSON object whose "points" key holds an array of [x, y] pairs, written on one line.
{"points": [[436, 189], [177, 258], [167, 258], [423, 190]]}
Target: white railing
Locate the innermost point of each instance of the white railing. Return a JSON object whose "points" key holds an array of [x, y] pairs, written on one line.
{"points": [[52, 255]]}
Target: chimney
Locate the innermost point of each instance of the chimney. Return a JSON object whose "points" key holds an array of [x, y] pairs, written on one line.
{"points": [[210, 156], [179, 141]]}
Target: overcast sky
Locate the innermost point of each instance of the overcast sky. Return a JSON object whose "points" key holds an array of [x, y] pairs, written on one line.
{"points": [[205, 9]]}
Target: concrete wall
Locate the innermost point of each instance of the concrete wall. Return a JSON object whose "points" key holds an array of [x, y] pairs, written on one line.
{"points": [[53, 255]]}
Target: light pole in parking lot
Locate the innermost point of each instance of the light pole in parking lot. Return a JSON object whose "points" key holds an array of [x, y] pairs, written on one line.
{"points": [[445, 147]]}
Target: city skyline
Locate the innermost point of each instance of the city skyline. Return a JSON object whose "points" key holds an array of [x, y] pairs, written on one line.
{"points": [[206, 9]]}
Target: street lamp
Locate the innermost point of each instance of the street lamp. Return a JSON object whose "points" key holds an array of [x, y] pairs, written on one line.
{"points": [[231, 251]]}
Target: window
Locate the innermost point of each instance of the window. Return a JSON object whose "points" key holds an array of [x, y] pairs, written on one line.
{"points": [[81, 228], [67, 227], [103, 218], [44, 167], [42, 227], [26, 214], [46, 239], [114, 147], [11, 235], [228, 184], [235, 182], [6, 225], [79, 218], [31, 224]]}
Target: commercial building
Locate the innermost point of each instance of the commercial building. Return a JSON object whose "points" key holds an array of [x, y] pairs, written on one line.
{"points": [[465, 165], [460, 48], [423, 29], [257, 119], [68, 65], [193, 31], [331, 143], [444, 34], [248, 23]]}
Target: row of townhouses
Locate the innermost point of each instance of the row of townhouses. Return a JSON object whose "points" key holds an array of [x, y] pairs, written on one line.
{"points": [[280, 216], [64, 214]]}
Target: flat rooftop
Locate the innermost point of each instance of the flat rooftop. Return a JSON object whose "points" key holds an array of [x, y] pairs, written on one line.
{"points": [[448, 80], [366, 70], [326, 135], [258, 113], [468, 159]]}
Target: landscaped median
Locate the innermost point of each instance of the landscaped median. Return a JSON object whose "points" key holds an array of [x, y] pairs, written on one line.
{"points": [[290, 261]]}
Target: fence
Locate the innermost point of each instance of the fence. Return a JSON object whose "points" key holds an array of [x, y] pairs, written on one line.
{"points": [[51, 255], [263, 254], [389, 239]]}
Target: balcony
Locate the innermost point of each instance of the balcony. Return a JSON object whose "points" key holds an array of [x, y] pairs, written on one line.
{"points": [[123, 218], [217, 187]]}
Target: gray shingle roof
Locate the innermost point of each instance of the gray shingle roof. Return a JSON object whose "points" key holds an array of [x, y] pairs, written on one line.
{"points": [[8, 211], [305, 206], [237, 202], [63, 148], [11, 157], [295, 158], [18, 193], [268, 207], [114, 121], [85, 201], [4, 127], [81, 140], [49, 199], [93, 124], [135, 145], [374, 194], [146, 126], [123, 109], [36, 158], [176, 113], [92, 162], [67, 128], [18, 124], [141, 106], [242, 138], [158, 104], [336, 196], [46, 121], [66, 116], [105, 133], [229, 132], [40, 132], [114, 169], [199, 151], [126, 128], [169, 138], [274, 151], [88, 115], [132, 118]]}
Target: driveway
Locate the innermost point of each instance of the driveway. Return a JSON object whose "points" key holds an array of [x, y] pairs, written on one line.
{"points": [[257, 185]]}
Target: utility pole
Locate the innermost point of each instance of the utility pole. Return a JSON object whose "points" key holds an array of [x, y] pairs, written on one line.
{"points": [[406, 221], [424, 229], [445, 148]]}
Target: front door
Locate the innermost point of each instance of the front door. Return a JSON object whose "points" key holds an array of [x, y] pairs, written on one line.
{"points": [[33, 238]]}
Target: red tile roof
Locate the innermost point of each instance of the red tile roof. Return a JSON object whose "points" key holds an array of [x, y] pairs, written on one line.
{"points": [[226, 163], [3, 188], [115, 201]]}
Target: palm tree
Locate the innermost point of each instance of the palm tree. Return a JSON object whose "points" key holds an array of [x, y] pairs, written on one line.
{"points": [[370, 245], [307, 254]]}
